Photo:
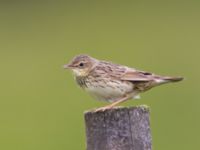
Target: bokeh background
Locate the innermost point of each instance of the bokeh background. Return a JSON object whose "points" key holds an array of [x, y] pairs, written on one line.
{"points": [[41, 107]]}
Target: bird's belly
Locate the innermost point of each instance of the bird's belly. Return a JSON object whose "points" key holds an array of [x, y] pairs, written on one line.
{"points": [[111, 91]]}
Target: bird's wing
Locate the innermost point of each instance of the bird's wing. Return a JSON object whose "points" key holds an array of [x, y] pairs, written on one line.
{"points": [[136, 75]]}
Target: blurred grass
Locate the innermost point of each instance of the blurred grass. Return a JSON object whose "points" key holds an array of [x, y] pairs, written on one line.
{"points": [[40, 105]]}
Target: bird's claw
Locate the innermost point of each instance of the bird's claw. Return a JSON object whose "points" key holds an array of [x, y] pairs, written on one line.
{"points": [[102, 108]]}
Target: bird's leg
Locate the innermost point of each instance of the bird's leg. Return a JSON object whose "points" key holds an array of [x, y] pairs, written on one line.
{"points": [[113, 104]]}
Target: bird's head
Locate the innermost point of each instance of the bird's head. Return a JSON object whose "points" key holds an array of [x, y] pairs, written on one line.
{"points": [[81, 65]]}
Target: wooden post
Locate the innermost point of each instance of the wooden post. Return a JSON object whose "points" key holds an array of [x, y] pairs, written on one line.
{"points": [[118, 129]]}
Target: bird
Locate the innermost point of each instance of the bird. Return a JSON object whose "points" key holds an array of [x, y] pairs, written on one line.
{"points": [[113, 83]]}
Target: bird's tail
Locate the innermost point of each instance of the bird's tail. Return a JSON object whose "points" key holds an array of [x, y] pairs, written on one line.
{"points": [[162, 80], [173, 79]]}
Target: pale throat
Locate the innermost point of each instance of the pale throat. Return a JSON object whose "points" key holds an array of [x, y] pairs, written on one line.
{"points": [[80, 72]]}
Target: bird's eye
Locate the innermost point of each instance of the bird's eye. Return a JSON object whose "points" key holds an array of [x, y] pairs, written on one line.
{"points": [[81, 64]]}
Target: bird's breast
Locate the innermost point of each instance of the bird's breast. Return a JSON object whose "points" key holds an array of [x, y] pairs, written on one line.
{"points": [[103, 88], [81, 81]]}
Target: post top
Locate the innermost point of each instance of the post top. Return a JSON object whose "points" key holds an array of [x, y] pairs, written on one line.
{"points": [[143, 108]]}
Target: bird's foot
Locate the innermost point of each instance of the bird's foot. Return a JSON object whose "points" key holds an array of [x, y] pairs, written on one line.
{"points": [[103, 108]]}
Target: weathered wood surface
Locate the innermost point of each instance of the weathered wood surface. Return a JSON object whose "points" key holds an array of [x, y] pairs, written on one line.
{"points": [[118, 129]]}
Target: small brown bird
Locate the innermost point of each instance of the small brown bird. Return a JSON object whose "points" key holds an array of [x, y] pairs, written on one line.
{"points": [[112, 82]]}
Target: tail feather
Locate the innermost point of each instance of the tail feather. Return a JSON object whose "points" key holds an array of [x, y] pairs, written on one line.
{"points": [[173, 79], [162, 80]]}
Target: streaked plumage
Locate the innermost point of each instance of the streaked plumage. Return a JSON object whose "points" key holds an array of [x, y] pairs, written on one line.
{"points": [[112, 82]]}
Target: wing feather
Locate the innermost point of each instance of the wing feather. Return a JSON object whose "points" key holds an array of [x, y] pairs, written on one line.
{"points": [[135, 75]]}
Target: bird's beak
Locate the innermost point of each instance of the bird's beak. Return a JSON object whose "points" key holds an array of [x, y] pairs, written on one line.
{"points": [[68, 66]]}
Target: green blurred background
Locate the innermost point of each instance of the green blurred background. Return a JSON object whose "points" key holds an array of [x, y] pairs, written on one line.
{"points": [[41, 107]]}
